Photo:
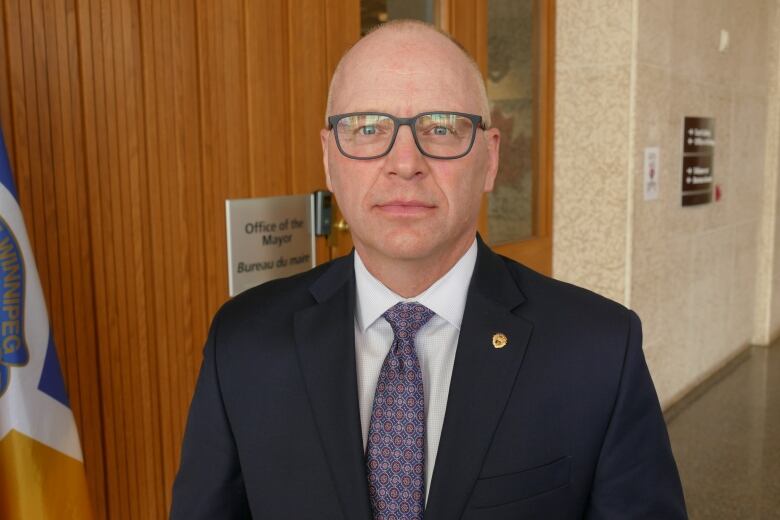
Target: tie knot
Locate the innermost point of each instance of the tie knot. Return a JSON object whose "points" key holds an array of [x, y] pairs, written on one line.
{"points": [[406, 318]]}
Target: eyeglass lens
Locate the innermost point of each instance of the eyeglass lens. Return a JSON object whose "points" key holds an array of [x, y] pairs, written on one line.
{"points": [[438, 134]]}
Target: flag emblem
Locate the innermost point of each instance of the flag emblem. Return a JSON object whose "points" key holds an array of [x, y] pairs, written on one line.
{"points": [[13, 348]]}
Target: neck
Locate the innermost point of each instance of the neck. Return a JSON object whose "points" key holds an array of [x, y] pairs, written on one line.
{"points": [[408, 277]]}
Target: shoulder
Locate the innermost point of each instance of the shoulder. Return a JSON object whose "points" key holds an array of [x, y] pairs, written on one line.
{"points": [[538, 286], [570, 310], [273, 302], [580, 339]]}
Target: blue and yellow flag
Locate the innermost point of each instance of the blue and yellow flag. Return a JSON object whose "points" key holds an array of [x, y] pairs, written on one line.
{"points": [[41, 466]]}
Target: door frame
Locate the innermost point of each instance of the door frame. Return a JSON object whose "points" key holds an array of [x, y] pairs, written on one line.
{"points": [[467, 22]]}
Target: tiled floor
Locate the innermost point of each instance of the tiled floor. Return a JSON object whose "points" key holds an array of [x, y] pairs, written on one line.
{"points": [[727, 442]]}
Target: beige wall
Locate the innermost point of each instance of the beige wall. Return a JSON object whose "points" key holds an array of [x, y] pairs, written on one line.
{"points": [[704, 279], [768, 327], [592, 102]]}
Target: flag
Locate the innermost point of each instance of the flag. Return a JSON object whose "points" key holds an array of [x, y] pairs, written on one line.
{"points": [[41, 465]]}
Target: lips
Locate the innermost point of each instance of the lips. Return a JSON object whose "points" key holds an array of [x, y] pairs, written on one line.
{"points": [[405, 207]]}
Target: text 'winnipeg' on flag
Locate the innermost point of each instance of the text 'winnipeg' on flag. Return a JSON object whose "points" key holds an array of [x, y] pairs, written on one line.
{"points": [[41, 465]]}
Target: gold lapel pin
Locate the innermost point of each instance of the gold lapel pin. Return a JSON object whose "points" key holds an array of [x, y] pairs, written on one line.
{"points": [[499, 340]]}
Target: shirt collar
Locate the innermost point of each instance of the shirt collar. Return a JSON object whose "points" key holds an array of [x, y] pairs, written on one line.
{"points": [[446, 297]]}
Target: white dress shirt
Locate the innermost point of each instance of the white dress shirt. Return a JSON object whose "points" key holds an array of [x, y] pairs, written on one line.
{"points": [[435, 343]]}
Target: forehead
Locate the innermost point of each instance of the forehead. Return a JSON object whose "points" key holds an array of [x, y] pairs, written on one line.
{"points": [[405, 73]]}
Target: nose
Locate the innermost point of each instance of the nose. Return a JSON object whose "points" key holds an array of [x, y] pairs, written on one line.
{"points": [[405, 159]]}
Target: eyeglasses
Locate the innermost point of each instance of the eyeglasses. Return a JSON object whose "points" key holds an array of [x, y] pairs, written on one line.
{"points": [[438, 135]]}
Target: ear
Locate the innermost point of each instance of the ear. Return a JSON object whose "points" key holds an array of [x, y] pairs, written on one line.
{"points": [[493, 140], [325, 142]]}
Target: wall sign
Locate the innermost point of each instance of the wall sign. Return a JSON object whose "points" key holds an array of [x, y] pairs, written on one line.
{"points": [[268, 238], [698, 159]]}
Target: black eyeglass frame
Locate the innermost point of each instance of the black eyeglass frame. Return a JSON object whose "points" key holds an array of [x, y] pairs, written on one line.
{"points": [[398, 122]]}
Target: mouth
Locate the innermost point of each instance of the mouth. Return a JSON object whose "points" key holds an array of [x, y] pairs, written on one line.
{"points": [[405, 207]]}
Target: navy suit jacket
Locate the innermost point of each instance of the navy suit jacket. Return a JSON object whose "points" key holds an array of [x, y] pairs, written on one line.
{"points": [[562, 422]]}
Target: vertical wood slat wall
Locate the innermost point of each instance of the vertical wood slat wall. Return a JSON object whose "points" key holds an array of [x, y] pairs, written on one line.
{"points": [[128, 123]]}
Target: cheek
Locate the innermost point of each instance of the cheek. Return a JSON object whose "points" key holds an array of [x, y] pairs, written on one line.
{"points": [[463, 189], [471, 201], [348, 187]]}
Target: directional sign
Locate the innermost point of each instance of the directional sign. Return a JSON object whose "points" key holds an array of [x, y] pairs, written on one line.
{"points": [[698, 159]]}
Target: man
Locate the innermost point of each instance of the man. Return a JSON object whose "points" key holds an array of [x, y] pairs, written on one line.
{"points": [[423, 373]]}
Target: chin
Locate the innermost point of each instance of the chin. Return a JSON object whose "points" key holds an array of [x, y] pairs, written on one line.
{"points": [[405, 246]]}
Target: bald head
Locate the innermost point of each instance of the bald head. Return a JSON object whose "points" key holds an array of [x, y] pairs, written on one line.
{"points": [[406, 47]]}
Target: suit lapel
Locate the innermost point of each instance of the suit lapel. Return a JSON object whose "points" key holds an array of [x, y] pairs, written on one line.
{"points": [[325, 339], [482, 379]]}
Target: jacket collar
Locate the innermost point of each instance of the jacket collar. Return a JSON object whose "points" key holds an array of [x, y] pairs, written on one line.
{"points": [[482, 379], [325, 342]]}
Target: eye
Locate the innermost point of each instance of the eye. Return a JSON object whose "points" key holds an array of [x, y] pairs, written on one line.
{"points": [[440, 126], [367, 130]]}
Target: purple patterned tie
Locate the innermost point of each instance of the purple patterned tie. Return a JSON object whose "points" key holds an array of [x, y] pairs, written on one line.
{"points": [[396, 436]]}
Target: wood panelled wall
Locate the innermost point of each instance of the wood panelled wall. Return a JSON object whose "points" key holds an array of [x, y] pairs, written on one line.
{"points": [[128, 123]]}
